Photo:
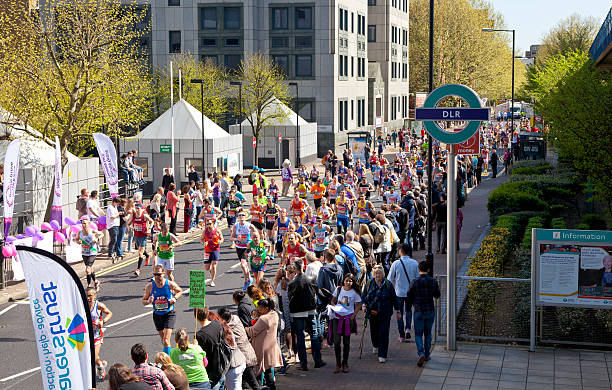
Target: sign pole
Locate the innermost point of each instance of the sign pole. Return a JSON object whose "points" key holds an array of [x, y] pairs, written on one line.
{"points": [[280, 163], [451, 248], [532, 300]]}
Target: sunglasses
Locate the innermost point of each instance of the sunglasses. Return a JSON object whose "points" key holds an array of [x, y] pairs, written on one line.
{"points": [[157, 274]]}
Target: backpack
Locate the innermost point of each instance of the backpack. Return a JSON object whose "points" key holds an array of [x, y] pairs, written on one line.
{"points": [[348, 267], [81, 205], [391, 217], [380, 233], [224, 353]]}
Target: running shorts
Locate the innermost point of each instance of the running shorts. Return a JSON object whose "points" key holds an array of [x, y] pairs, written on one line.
{"points": [[258, 225], [209, 257], [164, 321], [168, 264], [140, 242], [89, 260]]}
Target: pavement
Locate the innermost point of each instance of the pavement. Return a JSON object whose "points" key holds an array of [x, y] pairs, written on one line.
{"points": [[131, 321], [494, 366]]}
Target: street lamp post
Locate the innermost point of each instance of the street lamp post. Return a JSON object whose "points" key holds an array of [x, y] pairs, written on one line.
{"points": [[512, 100], [429, 257], [297, 124], [201, 82], [239, 84]]}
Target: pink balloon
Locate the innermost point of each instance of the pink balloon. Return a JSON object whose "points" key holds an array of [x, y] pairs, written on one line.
{"points": [[10, 239], [46, 226], [30, 231], [60, 237], [6, 251], [55, 225], [75, 229], [102, 220], [21, 236], [93, 226], [40, 236], [13, 250], [69, 221]]}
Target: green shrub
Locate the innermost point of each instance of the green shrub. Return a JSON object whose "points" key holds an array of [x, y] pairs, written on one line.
{"points": [[522, 291], [594, 222], [503, 200], [529, 164], [557, 209], [558, 223], [539, 170], [535, 222], [515, 223], [558, 193]]}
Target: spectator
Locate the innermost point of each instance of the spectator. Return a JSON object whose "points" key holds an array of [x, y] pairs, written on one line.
{"points": [[287, 177], [302, 304], [120, 377], [175, 373], [173, 200], [162, 203], [439, 216], [209, 337], [245, 307], [237, 365], [124, 166], [192, 359], [313, 266], [167, 179], [352, 244], [93, 207], [403, 271], [263, 339], [330, 274], [193, 175], [225, 188], [149, 374], [188, 209], [136, 167], [81, 203], [420, 295], [112, 224], [121, 229]]}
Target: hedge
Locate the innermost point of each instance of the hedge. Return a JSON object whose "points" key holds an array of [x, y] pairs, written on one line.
{"points": [[503, 200], [542, 169], [534, 222], [558, 223], [515, 223], [594, 222], [529, 164]]}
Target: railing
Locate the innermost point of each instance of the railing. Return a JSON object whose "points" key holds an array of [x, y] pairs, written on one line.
{"points": [[603, 38]]}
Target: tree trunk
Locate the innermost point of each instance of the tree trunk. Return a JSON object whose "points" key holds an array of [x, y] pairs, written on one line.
{"points": [[50, 198]]}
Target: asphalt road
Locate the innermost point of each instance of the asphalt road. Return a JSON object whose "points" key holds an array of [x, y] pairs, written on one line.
{"points": [[131, 322]]}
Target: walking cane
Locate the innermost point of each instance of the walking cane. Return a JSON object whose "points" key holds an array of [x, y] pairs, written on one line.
{"points": [[365, 325]]}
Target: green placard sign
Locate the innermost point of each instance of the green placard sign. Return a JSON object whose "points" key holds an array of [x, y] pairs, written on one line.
{"points": [[197, 288], [165, 148]]}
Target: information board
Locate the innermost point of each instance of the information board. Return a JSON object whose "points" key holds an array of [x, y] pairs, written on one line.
{"points": [[197, 288], [572, 267]]}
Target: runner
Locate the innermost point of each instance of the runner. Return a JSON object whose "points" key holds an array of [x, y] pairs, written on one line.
{"points": [[139, 219], [363, 208], [320, 234], [257, 218], [162, 294], [325, 212], [318, 190], [365, 187], [342, 212], [294, 250], [232, 207], [392, 196], [212, 239], [100, 314], [280, 229], [209, 212], [89, 249], [258, 250], [298, 206], [273, 190], [419, 169], [301, 187], [241, 235], [272, 212], [166, 242], [332, 190]]}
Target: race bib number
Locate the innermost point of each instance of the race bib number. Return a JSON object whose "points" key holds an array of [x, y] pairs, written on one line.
{"points": [[271, 218], [341, 210], [231, 213], [164, 247], [206, 256], [161, 304], [138, 228], [242, 238]]}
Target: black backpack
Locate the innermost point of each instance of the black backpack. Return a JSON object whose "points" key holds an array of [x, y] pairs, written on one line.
{"points": [[224, 354], [348, 267]]}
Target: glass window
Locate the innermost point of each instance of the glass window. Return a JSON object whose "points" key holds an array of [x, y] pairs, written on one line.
{"points": [[304, 41], [280, 18], [279, 42], [303, 18], [371, 2], [208, 42], [282, 62], [232, 61], [232, 42], [196, 162], [174, 3], [208, 18], [143, 162], [174, 39], [305, 110], [231, 18], [372, 33], [303, 66], [341, 15], [211, 58]]}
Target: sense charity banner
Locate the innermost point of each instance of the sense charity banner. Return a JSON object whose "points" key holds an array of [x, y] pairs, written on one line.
{"points": [[108, 159], [61, 319], [56, 206], [11, 173]]}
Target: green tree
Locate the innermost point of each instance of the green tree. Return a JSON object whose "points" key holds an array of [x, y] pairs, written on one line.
{"points": [[575, 99], [74, 71], [573, 33], [215, 86], [264, 93], [463, 54]]}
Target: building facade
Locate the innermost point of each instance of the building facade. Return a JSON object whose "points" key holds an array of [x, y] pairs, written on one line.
{"points": [[322, 45]]}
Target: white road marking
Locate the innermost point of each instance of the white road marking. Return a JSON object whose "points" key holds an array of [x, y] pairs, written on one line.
{"points": [[8, 378], [129, 319], [8, 308], [24, 302], [235, 265]]}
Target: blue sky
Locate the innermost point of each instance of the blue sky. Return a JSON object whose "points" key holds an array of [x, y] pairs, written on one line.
{"points": [[533, 18]]}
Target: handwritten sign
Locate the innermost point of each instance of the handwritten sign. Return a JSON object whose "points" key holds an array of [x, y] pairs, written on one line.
{"points": [[197, 288]]}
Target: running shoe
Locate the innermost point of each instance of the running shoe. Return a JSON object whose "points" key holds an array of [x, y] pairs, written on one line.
{"points": [[232, 246], [147, 260], [137, 272], [382, 359], [212, 283]]}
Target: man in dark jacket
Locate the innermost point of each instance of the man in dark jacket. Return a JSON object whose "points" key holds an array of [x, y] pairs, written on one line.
{"points": [[330, 274], [302, 292], [408, 203], [245, 307]]}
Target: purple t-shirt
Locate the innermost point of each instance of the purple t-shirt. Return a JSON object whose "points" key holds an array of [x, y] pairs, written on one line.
{"points": [[287, 174]]}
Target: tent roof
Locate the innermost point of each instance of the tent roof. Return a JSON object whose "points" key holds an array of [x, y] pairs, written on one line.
{"points": [[33, 151], [187, 125], [289, 120]]}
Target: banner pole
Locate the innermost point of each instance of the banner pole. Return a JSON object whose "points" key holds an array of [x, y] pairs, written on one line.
{"points": [[451, 272]]}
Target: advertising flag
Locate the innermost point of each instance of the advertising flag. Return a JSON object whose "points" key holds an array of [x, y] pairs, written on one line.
{"points": [[56, 206], [62, 321], [11, 173], [108, 159]]}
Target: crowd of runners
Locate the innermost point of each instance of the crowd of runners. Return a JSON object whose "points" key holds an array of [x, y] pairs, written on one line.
{"points": [[335, 254]]}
